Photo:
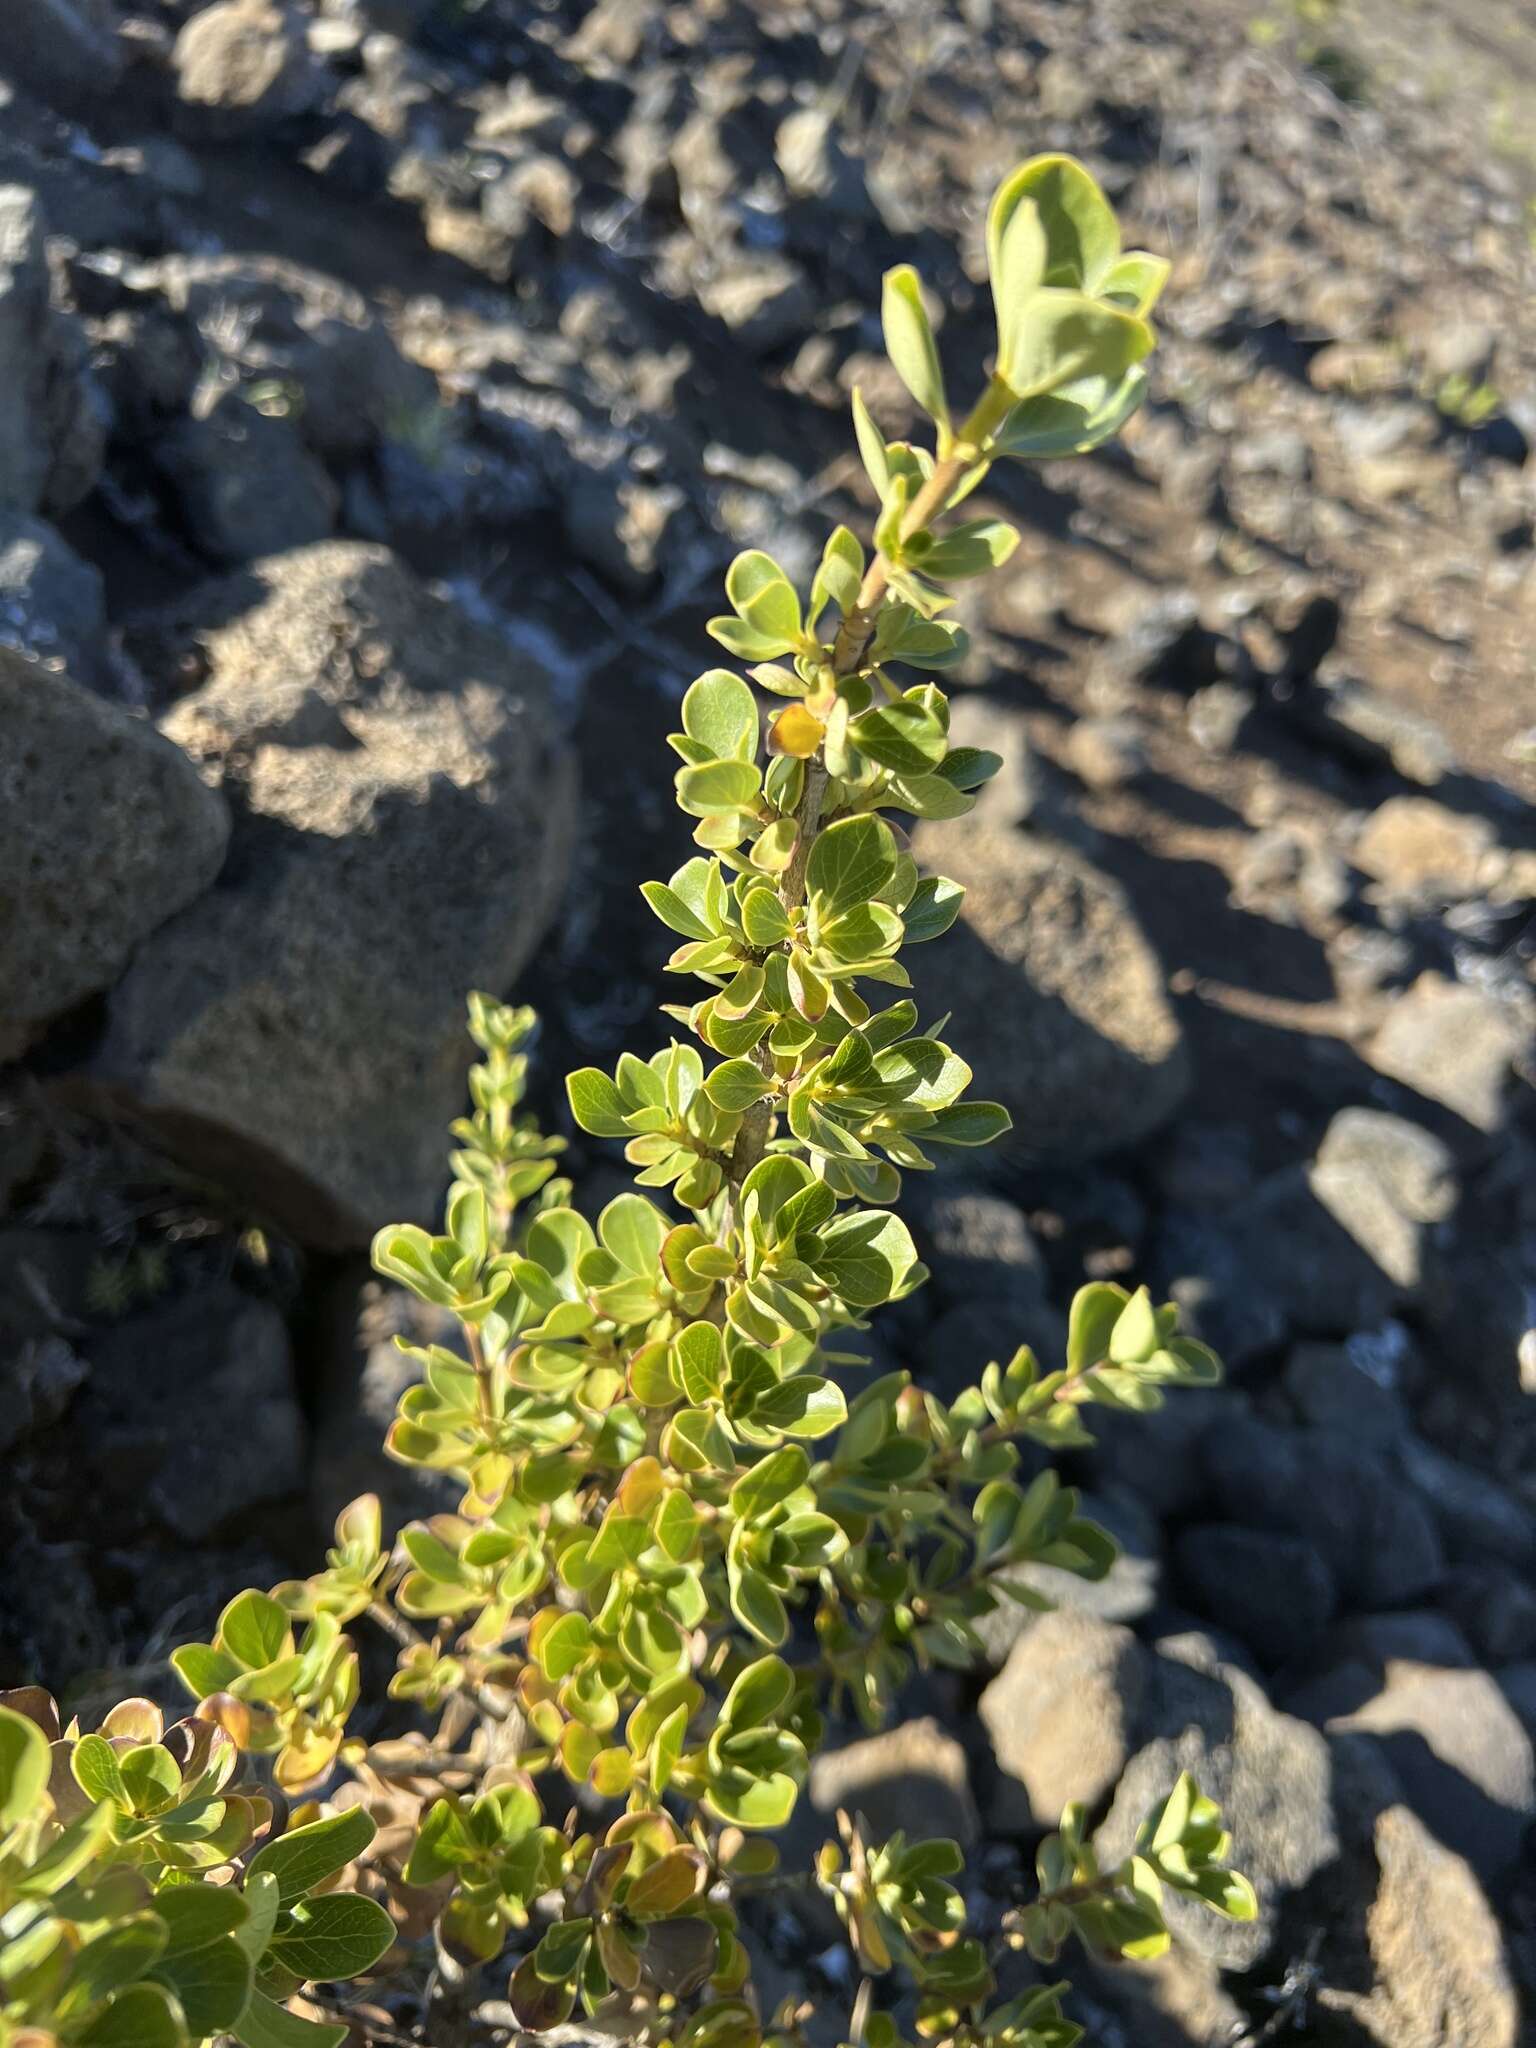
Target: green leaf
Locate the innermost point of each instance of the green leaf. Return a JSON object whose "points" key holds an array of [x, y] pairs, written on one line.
{"points": [[560, 1951], [266, 2024], [675, 914], [306, 1856], [1063, 336], [817, 1540], [720, 712], [756, 1605], [933, 909], [839, 575], [865, 1256], [1135, 1335], [596, 1103], [68, 1853], [717, 787], [771, 1480], [561, 1642], [1082, 236], [333, 1937], [904, 735], [909, 341], [803, 1406], [736, 1085], [1228, 1893], [540, 2003], [928, 796], [262, 1898], [1017, 254], [665, 1886], [969, 767], [695, 1442], [871, 446], [764, 918], [142, 2016], [762, 595], [968, 1123], [255, 1629], [469, 1221], [1072, 419], [676, 1526], [651, 1378], [203, 1670], [1095, 1311], [751, 1800], [633, 1230], [745, 641], [151, 1777], [212, 1984], [405, 1253], [197, 1914], [759, 1694], [1135, 282], [700, 1361], [117, 1956], [970, 549], [443, 1842], [24, 1766], [851, 862]]}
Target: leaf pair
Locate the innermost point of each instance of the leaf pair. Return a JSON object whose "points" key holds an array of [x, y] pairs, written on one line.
{"points": [[1070, 306]]}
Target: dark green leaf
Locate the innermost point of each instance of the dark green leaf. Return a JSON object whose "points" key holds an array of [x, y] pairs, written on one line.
{"points": [[850, 862], [306, 1856], [333, 1937]]}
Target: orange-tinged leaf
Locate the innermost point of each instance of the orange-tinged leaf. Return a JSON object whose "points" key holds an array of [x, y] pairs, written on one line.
{"points": [[666, 1886], [796, 731]]}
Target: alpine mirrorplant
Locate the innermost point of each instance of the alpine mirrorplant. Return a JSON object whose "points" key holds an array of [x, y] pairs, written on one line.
{"points": [[687, 1528]]}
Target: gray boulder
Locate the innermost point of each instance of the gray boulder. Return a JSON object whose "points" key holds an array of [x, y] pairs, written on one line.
{"points": [[271, 320], [1070, 1024], [404, 813], [1269, 1774], [979, 1248], [1377, 1538], [52, 415], [213, 1369], [65, 49], [1328, 1388], [245, 484], [52, 604], [1461, 1755], [1476, 1516], [1339, 1243], [361, 1373], [1497, 1607], [106, 831], [1412, 844], [1276, 1592]]}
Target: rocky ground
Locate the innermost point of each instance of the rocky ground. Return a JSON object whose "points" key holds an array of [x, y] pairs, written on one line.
{"points": [[383, 386]]}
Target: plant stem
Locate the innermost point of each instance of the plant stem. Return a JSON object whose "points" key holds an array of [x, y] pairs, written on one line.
{"points": [[985, 416], [399, 1630], [848, 653], [483, 1390]]}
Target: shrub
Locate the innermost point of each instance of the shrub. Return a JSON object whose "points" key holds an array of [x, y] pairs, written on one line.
{"points": [[680, 1541]]}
